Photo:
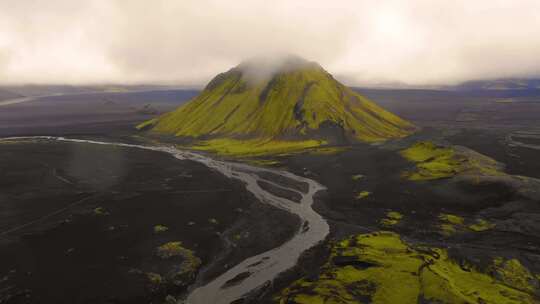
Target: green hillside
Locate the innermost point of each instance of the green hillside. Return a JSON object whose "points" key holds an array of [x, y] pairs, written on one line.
{"points": [[294, 101]]}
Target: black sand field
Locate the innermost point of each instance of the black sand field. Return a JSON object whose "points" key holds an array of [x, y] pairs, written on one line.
{"points": [[377, 170], [87, 113], [494, 143], [78, 222], [82, 223]]}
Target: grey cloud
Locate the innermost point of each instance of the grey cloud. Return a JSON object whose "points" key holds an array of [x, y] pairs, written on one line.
{"points": [[188, 42]]}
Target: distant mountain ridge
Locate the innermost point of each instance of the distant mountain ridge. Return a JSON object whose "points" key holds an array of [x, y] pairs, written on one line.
{"points": [[501, 84], [6, 94], [34, 90], [291, 100]]}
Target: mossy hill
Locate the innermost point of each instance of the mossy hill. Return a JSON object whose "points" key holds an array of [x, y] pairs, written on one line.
{"points": [[434, 161], [381, 268], [295, 103]]}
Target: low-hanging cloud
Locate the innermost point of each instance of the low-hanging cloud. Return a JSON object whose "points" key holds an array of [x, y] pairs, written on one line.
{"points": [[188, 42]]}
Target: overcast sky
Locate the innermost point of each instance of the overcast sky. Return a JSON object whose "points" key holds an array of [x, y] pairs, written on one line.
{"points": [[187, 42]]}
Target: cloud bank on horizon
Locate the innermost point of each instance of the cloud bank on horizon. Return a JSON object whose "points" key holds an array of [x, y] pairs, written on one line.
{"points": [[418, 42]]}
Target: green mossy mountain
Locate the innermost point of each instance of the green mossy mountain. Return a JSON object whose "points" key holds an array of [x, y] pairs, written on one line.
{"points": [[294, 100]]}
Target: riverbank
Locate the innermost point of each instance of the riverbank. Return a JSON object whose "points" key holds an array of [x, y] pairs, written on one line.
{"points": [[16, 100]]}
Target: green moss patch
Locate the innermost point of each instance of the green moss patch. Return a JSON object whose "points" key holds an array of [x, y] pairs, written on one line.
{"points": [[481, 225], [147, 124], [514, 274], [172, 249], [450, 223], [254, 147], [100, 211], [160, 228], [190, 263], [381, 268], [451, 218], [432, 162], [326, 150], [392, 218], [154, 278], [363, 194], [357, 177], [436, 162]]}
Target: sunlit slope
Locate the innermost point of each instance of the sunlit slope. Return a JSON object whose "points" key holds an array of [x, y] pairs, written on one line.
{"points": [[301, 103]]}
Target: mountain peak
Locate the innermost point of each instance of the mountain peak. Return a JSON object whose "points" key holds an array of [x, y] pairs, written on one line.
{"points": [[285, 98], [263, 68], [276, 63], [258, 71]]}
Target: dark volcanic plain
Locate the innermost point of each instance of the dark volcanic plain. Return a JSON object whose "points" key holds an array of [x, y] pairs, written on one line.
{"points": [[87, 113], [77, 220]]}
